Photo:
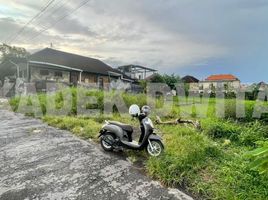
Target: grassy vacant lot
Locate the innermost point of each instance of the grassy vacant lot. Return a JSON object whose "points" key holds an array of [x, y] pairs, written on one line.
{"points": [[210, 163]]}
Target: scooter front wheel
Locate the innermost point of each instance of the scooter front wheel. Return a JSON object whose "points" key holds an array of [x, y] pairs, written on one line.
{"points": [[104, 141], [155, 148]]}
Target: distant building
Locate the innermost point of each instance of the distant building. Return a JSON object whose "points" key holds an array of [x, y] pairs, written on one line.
{"points": [[192, 82], [189, 79], [223, 82], [136, 72]]}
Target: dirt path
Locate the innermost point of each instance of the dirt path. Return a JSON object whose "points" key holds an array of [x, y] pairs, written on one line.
{"points": [[41, 162]]}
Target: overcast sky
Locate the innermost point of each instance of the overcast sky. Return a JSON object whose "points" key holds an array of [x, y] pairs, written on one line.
{"points": [[199, 38]]}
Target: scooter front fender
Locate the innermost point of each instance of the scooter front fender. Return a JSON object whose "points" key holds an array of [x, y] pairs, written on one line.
{"points": [[155, 137]]}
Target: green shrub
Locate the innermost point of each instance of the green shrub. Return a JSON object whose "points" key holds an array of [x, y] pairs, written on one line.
{"points": [[14, 103], [253, 132], [259, 158], [230, 108], [221, 129]]}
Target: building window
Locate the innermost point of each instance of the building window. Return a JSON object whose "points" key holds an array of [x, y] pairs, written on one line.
{"points": [[58, 74], [44, 72], [225, 86]]}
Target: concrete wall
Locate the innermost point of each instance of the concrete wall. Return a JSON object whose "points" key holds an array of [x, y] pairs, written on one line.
{"points": [[230, 85], [96, 81], [89, 78], [37, 76]]}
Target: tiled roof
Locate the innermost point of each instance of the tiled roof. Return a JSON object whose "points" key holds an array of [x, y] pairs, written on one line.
{"points": [[221, 77]]}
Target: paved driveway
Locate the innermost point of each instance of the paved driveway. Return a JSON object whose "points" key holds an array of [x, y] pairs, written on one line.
{"points": [[41, 162]]}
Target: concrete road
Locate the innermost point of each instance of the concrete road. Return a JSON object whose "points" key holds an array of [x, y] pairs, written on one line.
{"points": [[41, 162]]}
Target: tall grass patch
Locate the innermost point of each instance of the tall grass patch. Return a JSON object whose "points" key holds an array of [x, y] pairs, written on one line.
{"points": [[186, 153], [85, 128]]}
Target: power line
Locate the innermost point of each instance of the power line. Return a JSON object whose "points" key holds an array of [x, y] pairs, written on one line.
{"points": [[53, 11], [60, 19], [11, 39]]}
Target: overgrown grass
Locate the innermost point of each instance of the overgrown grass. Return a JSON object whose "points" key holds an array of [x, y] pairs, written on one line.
{"points": [[85, 128], [209, 163]]}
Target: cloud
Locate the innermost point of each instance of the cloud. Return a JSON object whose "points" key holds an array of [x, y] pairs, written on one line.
{"points": [[8, 26], [167, 35]]}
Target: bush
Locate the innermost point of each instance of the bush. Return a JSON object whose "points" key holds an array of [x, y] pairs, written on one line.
{"points": [[221, 129], [230, 108], [253, 132], [260, 159]]}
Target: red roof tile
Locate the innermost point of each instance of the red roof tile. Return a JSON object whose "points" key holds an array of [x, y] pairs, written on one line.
{"points": [[221, 77]]}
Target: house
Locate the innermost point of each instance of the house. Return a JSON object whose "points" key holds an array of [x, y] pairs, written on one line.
{"points": [[223, 82], [192, 82], [50, 65], [136, 72], [189, 79]]}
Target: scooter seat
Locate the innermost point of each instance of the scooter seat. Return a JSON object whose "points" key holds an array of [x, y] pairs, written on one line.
{"points": [[125, 127]]}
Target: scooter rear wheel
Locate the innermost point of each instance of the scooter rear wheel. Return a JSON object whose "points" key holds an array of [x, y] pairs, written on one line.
{"points": [[105, 145], [156, 149]]}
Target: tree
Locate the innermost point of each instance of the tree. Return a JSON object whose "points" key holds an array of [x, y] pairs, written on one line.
{"points": [[171, 80], [157, 78], [143, 84], [9, 54]]}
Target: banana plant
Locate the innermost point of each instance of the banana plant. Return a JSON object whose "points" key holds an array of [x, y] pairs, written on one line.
{"points": [[259, 159]]}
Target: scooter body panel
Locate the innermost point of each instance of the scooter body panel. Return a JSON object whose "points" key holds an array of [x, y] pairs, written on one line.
{"points": [[114, 129]]}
